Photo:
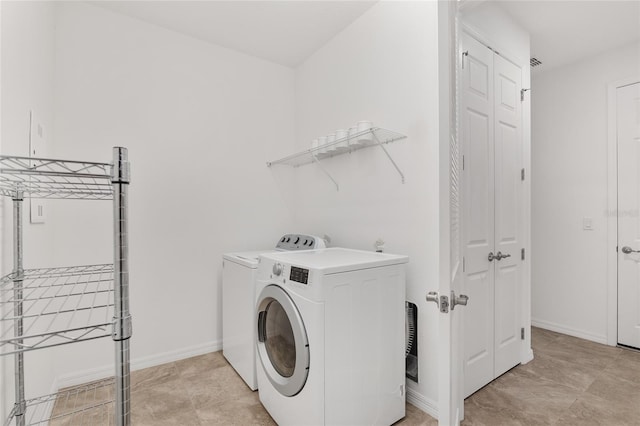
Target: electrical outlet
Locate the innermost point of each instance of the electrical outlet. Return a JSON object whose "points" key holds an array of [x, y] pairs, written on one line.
{"points": [[37, 149]]}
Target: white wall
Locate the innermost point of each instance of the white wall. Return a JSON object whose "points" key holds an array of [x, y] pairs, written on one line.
{"points": [[498, 28], [200, 123], [569, 276], [381, 68], [27, 57]]}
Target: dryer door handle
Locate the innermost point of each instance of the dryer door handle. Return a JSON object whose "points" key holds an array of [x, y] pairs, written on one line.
{"points": [[262, 329]]}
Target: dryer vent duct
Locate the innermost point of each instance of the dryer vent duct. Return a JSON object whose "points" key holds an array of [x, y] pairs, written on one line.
{"points": [[534, 62], [411, 348]]}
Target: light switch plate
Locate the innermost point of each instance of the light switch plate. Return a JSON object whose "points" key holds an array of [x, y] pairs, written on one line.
{"points": [[37, 148]]}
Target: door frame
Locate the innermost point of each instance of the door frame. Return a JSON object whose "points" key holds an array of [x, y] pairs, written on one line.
{"points": [[612, 207], [450, 376], [450, 402]]}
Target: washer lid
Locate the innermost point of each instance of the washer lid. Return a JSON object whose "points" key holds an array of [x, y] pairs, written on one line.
{"points": [[248, 259], [334, 260]]}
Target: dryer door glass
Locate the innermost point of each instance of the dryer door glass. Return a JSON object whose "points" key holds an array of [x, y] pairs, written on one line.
{"points": [[283, 346], [279, 339]]}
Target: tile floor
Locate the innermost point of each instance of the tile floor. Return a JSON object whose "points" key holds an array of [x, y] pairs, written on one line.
{"points": [[570, 382]]}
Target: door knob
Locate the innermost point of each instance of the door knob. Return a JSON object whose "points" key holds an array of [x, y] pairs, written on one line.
{"points": [[629, 250], [491, 256], [458, 300], [500, 256], [432, 296], [441, 301]]}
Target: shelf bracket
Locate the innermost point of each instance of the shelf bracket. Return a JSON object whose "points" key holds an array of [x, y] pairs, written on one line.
{"points": [[389, 156], [315, 160]]}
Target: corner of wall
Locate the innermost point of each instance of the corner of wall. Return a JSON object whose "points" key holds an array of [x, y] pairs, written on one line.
{"points": [[418, 400]]}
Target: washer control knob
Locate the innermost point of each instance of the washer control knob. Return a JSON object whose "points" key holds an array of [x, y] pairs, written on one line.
{"points": [[277, 269]]}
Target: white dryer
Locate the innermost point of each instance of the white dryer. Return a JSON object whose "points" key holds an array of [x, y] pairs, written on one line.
{"points": [[330, 329], [238, 301]]}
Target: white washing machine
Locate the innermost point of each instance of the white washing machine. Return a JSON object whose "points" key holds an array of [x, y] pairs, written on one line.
{"points": [[331, 337], [238, 302]]}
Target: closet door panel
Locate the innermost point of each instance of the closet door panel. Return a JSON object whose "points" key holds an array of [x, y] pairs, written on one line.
{"points": [[476, 119], [508, 213]]}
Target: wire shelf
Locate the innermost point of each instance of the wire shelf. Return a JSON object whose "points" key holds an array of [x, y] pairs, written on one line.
{"points": [[47, 178], [372, 137], [89, 404], [58, 306]]}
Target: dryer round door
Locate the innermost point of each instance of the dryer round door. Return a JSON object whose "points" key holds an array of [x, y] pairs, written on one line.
{"points": [[283, 346]]}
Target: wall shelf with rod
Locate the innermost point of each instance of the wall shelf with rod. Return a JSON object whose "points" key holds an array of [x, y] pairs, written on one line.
{"points": [[42, 308], [375, 136]]}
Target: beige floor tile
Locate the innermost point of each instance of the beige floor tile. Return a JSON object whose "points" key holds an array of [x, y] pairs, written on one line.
{"points": [[476, 415], [541, 337], [93, 416], [543, 366], [160, 375], [626, 365], [211, 389], [519, 398], [416, 417], [163, 403], [245, 410], [616, 388], [578, 351], [199, 365], [593, 410]]}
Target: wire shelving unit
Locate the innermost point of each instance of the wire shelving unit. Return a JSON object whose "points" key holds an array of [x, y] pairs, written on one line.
{"points": [[42, 308]]}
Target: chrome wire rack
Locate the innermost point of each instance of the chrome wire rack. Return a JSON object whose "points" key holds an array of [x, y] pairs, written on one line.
{"points": [[41, 308], [47, 178], [90, 404], [59, 306]]}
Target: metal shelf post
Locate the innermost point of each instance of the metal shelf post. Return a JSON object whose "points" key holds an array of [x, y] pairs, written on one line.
{"points": [[20, 406], [122, 318]]}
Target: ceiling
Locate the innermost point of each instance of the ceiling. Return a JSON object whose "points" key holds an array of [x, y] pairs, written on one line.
{"points": [[563, 32], [285, 32]]}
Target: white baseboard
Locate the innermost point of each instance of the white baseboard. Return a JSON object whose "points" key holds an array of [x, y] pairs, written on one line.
{"points": [[528, 356], [558, 328], [80, 377], [425, 404]]}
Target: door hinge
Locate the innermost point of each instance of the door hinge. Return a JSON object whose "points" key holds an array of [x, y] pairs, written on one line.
{"points": [[522, 174], [522, 333], [522, 92], [463, 265], [522, 254], [465, 53], [463, 162]]}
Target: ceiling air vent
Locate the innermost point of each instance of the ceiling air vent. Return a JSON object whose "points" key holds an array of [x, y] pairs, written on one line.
{"points": [[535, 62]]}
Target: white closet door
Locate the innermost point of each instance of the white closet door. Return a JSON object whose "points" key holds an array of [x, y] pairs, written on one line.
{"points": [[628, 131], [508, 213], [476, 125]]}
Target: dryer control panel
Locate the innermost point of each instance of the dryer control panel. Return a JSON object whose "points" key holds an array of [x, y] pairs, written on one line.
{"points": [[291, 242], [299, 275]]}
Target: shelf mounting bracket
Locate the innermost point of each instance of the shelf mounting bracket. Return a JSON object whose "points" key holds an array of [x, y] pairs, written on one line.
{"points": [[389, 156], [315, 160]]}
